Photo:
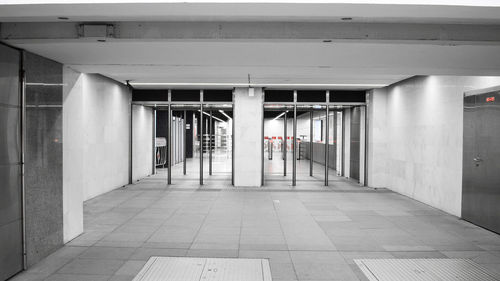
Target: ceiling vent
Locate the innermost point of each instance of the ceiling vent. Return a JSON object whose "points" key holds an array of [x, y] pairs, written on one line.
{"points": [[96, 31]]}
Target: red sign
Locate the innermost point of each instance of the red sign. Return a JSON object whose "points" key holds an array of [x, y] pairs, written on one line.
{"points": [[274, 138], [490, 99]]}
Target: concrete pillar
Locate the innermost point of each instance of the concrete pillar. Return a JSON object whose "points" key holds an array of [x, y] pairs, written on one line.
{"points": [[347, 142], [248, 114], [377, 138], [362, 146]]}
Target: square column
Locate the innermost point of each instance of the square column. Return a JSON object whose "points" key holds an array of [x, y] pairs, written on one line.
{"points": [[248, 114]]}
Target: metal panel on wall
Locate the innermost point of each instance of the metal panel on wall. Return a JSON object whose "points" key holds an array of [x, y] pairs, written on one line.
{"points": [[481, 159], [355, 142], [11, 236]]}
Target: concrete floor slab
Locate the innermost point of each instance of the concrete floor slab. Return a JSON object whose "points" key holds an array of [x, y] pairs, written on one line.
{"points": [[309, 233]]}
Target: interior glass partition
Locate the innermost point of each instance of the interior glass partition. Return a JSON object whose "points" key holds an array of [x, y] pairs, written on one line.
{"points": [[310, 172], [335, 145], [181, 128], [278, 144], [192, 136], [218, 144], [308, 129], [201, 144]]}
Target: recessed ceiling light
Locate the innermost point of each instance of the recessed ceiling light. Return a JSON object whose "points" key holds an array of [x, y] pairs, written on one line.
{"points": [[63, 18], [257, 85], [346, 18]]}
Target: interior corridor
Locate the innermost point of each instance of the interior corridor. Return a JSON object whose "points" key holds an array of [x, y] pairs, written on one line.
{"points": [[306, 234], [249, 140]]}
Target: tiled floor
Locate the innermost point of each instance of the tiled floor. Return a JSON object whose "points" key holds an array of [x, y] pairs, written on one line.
{"points": [[306, 234]]}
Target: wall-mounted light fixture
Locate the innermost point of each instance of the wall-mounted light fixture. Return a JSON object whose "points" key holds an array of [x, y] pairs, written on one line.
{"points": [[223, 113], [280, 115], [258, 85], [216, 118]]}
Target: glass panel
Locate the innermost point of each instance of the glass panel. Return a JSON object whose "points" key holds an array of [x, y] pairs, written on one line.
{"points": [[10, 168]]}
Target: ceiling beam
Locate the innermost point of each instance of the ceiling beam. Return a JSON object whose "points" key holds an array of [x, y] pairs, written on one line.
{"points": [[407, 33]]}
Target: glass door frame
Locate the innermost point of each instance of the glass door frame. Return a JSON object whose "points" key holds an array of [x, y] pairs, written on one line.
{"points": [[171, 106], [313, 106]]}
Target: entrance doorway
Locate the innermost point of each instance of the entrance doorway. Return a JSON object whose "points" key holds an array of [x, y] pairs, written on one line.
{"points": [[193, 138], [481, 181], [311, 140]]}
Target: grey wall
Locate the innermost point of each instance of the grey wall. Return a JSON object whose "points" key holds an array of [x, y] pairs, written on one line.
{"points": [[423, 136], [11, 253], [73, 154], [106, 134], [43, 157], [142, 142]]}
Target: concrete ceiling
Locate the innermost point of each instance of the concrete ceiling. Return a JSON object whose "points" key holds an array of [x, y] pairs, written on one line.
{"points": [[281, 63], [419, 11], [197, 58]]}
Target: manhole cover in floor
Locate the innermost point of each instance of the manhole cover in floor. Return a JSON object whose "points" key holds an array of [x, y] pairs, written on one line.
{"points": [[424, 269], [204, 269]]}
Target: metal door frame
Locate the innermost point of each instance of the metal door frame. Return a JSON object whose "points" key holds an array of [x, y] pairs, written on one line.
{"points": [[326, 107], [468, 94], [183, 106], [22, 133]]}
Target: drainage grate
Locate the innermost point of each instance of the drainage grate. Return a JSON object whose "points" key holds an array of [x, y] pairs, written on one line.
{"points": [[206, 269], [424, 269]]}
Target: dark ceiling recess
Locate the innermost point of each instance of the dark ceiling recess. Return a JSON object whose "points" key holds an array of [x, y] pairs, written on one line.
{"points": [[215, 113], [347, 96], [311, 96], [218, 95], [150, 95], [185, 95], [278, 96]]}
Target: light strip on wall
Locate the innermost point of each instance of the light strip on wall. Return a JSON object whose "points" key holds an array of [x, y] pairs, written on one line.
{"points": [[201, 85], [44, 84]]}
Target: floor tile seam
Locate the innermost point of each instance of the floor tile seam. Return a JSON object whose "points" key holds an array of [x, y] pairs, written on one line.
{"points": [[76, 258], [284, 237], [241, 225], [118, 268], [101, 239], [58, 268], [134, 196], [156, 230], [313, 220], [202, 223], [140, 192], [84, 274], [91, 274]]}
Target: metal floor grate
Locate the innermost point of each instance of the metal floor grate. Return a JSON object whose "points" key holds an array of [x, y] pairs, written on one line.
{"points": [[424, 270], [206, 269]]}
